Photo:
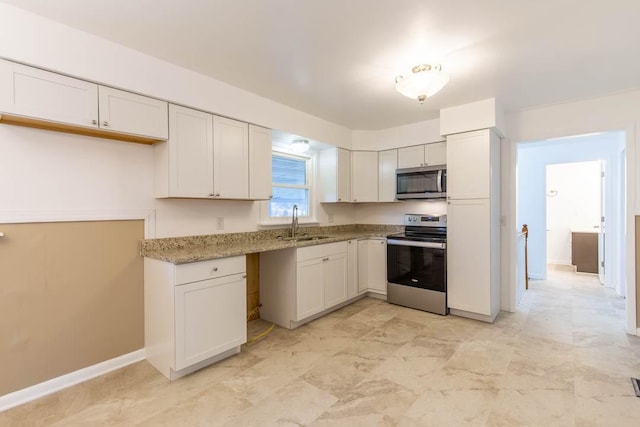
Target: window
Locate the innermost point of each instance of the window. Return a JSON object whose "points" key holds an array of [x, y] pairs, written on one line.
{"points": [[290, 185]]}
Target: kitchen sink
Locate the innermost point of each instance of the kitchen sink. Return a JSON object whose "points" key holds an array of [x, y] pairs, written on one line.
{"points": [[304, 238]]}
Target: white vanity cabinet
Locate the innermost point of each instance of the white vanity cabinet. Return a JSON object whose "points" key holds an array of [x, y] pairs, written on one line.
{"points": [[296, 285], [195, 314], [372, 266], [35, 97], [334, 175]]}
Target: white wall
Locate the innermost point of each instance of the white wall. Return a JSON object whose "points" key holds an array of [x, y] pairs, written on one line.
{"points": [[64, 174], [400, 136], [573, 204]]}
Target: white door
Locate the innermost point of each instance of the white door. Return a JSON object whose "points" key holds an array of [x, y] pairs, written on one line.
{"points": [[469, 255], [211, 317], [377, 265], [190, 153], [260, 183], [363, 266], [30, 92], [601, 234], [352, 268], [230, 158], [309, 288], [343, 175], [468, 165], [387, 165], [435, 154], [128, 112], [364, 176], [335, 280], [411, 157]]}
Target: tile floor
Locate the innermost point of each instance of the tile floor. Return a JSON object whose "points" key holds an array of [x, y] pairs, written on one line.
{"points": [[563, 359]]}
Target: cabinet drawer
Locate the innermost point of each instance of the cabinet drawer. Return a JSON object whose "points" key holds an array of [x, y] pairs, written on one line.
{"points": [[319, 251], [203, 270]]}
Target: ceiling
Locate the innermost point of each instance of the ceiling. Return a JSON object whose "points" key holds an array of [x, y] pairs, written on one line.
{"points": [[337, 59]]}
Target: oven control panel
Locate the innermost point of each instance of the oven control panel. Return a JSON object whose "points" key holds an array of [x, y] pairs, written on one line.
{"points": [[425, 220]]}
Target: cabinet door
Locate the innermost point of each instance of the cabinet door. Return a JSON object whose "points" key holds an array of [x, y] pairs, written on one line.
{"points": [[435, 154], [352, 268], [211, 317], [230, 158], [128, 112], [259, 163], [364, 176], [363, 266], [27, 91], [190, 153], [387, 165], [343, 175], [309, 288], [468, 255], [468, 165], [411, 157], [377, 265], [335, 280]]}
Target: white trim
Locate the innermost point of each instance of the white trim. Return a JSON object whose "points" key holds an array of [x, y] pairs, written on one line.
{"points": [[637, 332], [29, 216], [56, 384]]}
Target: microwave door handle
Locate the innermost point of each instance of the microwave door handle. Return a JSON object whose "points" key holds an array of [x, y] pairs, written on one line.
{"points": [[440, 181]]}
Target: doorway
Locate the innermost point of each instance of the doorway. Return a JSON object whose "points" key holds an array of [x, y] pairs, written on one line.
{"points": [[532, 197]]}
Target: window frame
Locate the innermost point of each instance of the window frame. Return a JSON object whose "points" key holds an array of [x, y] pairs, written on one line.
{"points": [[265, 211]]}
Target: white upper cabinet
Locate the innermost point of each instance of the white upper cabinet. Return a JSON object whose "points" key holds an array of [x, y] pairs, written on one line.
{"points": [[469, 165], [435, 154], [184, 164], [364, 176], [334, 175], [35, 97], [230, 158], [260, 186], [387, 164], [411, 157], [422, 155], [128, 112], [30, 92]]}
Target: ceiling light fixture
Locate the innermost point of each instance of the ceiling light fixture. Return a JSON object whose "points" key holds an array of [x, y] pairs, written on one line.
{"points": [[425, 81], [300, 145]]}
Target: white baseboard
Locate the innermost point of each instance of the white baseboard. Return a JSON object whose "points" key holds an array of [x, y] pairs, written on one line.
{"points": [[37, 391]]}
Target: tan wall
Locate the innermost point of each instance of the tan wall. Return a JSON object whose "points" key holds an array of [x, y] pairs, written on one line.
{"points": [[637, 271], [71, 296]]}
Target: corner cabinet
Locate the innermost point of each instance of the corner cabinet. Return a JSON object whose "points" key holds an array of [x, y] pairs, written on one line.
{"points": [[209, 157], [298, 285], [195, 314], [372, 266], [33, 97]]}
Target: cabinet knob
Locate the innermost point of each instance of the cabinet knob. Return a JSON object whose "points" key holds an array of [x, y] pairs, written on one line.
{"points": [[217, 194], [210, 194], [214, 269], [355, 200], [325, 259], [244, 276], [105, 123], [271, 196], [339, 200], [382, 242], [94, 122]]}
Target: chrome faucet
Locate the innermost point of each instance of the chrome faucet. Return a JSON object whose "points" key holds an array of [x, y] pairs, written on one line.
{"points": [[294, 221]]}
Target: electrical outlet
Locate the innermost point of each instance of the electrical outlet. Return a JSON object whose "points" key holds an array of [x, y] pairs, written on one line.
{"points": [[330, 218], [503, 221], [220, 223]]}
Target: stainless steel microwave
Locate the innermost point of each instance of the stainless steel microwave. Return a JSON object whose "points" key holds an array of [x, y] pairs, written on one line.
{"points": [[425, 182]]}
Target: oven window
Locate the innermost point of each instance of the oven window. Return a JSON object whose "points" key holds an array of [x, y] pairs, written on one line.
{"points": [[417, 182], [417, 267]]}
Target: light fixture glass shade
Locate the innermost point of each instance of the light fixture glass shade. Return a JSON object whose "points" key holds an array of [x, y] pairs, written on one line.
{"points": [[300, 145], [424, 82]]}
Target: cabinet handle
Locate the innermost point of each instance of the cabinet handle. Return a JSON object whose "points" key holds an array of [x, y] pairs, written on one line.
{"points": [[244, 276], [94, 122], [325, 259], [217, 194], [105, 123], [210, 194]]}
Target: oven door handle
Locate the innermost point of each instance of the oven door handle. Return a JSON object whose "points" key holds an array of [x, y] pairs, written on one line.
{"points": [[414, 243]]}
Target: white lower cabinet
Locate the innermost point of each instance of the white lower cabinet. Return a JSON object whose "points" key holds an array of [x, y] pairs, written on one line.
{"points": [[352, 268], [372, 266], [195, 314], [297, 284]]}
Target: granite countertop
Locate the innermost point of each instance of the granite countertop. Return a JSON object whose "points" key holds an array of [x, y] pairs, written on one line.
{"points": [[182, 250]]}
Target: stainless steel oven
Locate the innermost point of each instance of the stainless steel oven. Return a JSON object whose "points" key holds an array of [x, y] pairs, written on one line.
{"points": [[417, 264]]}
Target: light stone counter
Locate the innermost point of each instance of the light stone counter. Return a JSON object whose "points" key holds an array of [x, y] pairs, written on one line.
{"points": [[182, 250]]}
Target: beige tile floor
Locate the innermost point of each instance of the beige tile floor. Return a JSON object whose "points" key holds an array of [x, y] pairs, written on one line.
{"points": [[563, 359]]}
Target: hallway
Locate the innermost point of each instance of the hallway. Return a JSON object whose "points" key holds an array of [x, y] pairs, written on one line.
{"points": [[563, 359]]}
